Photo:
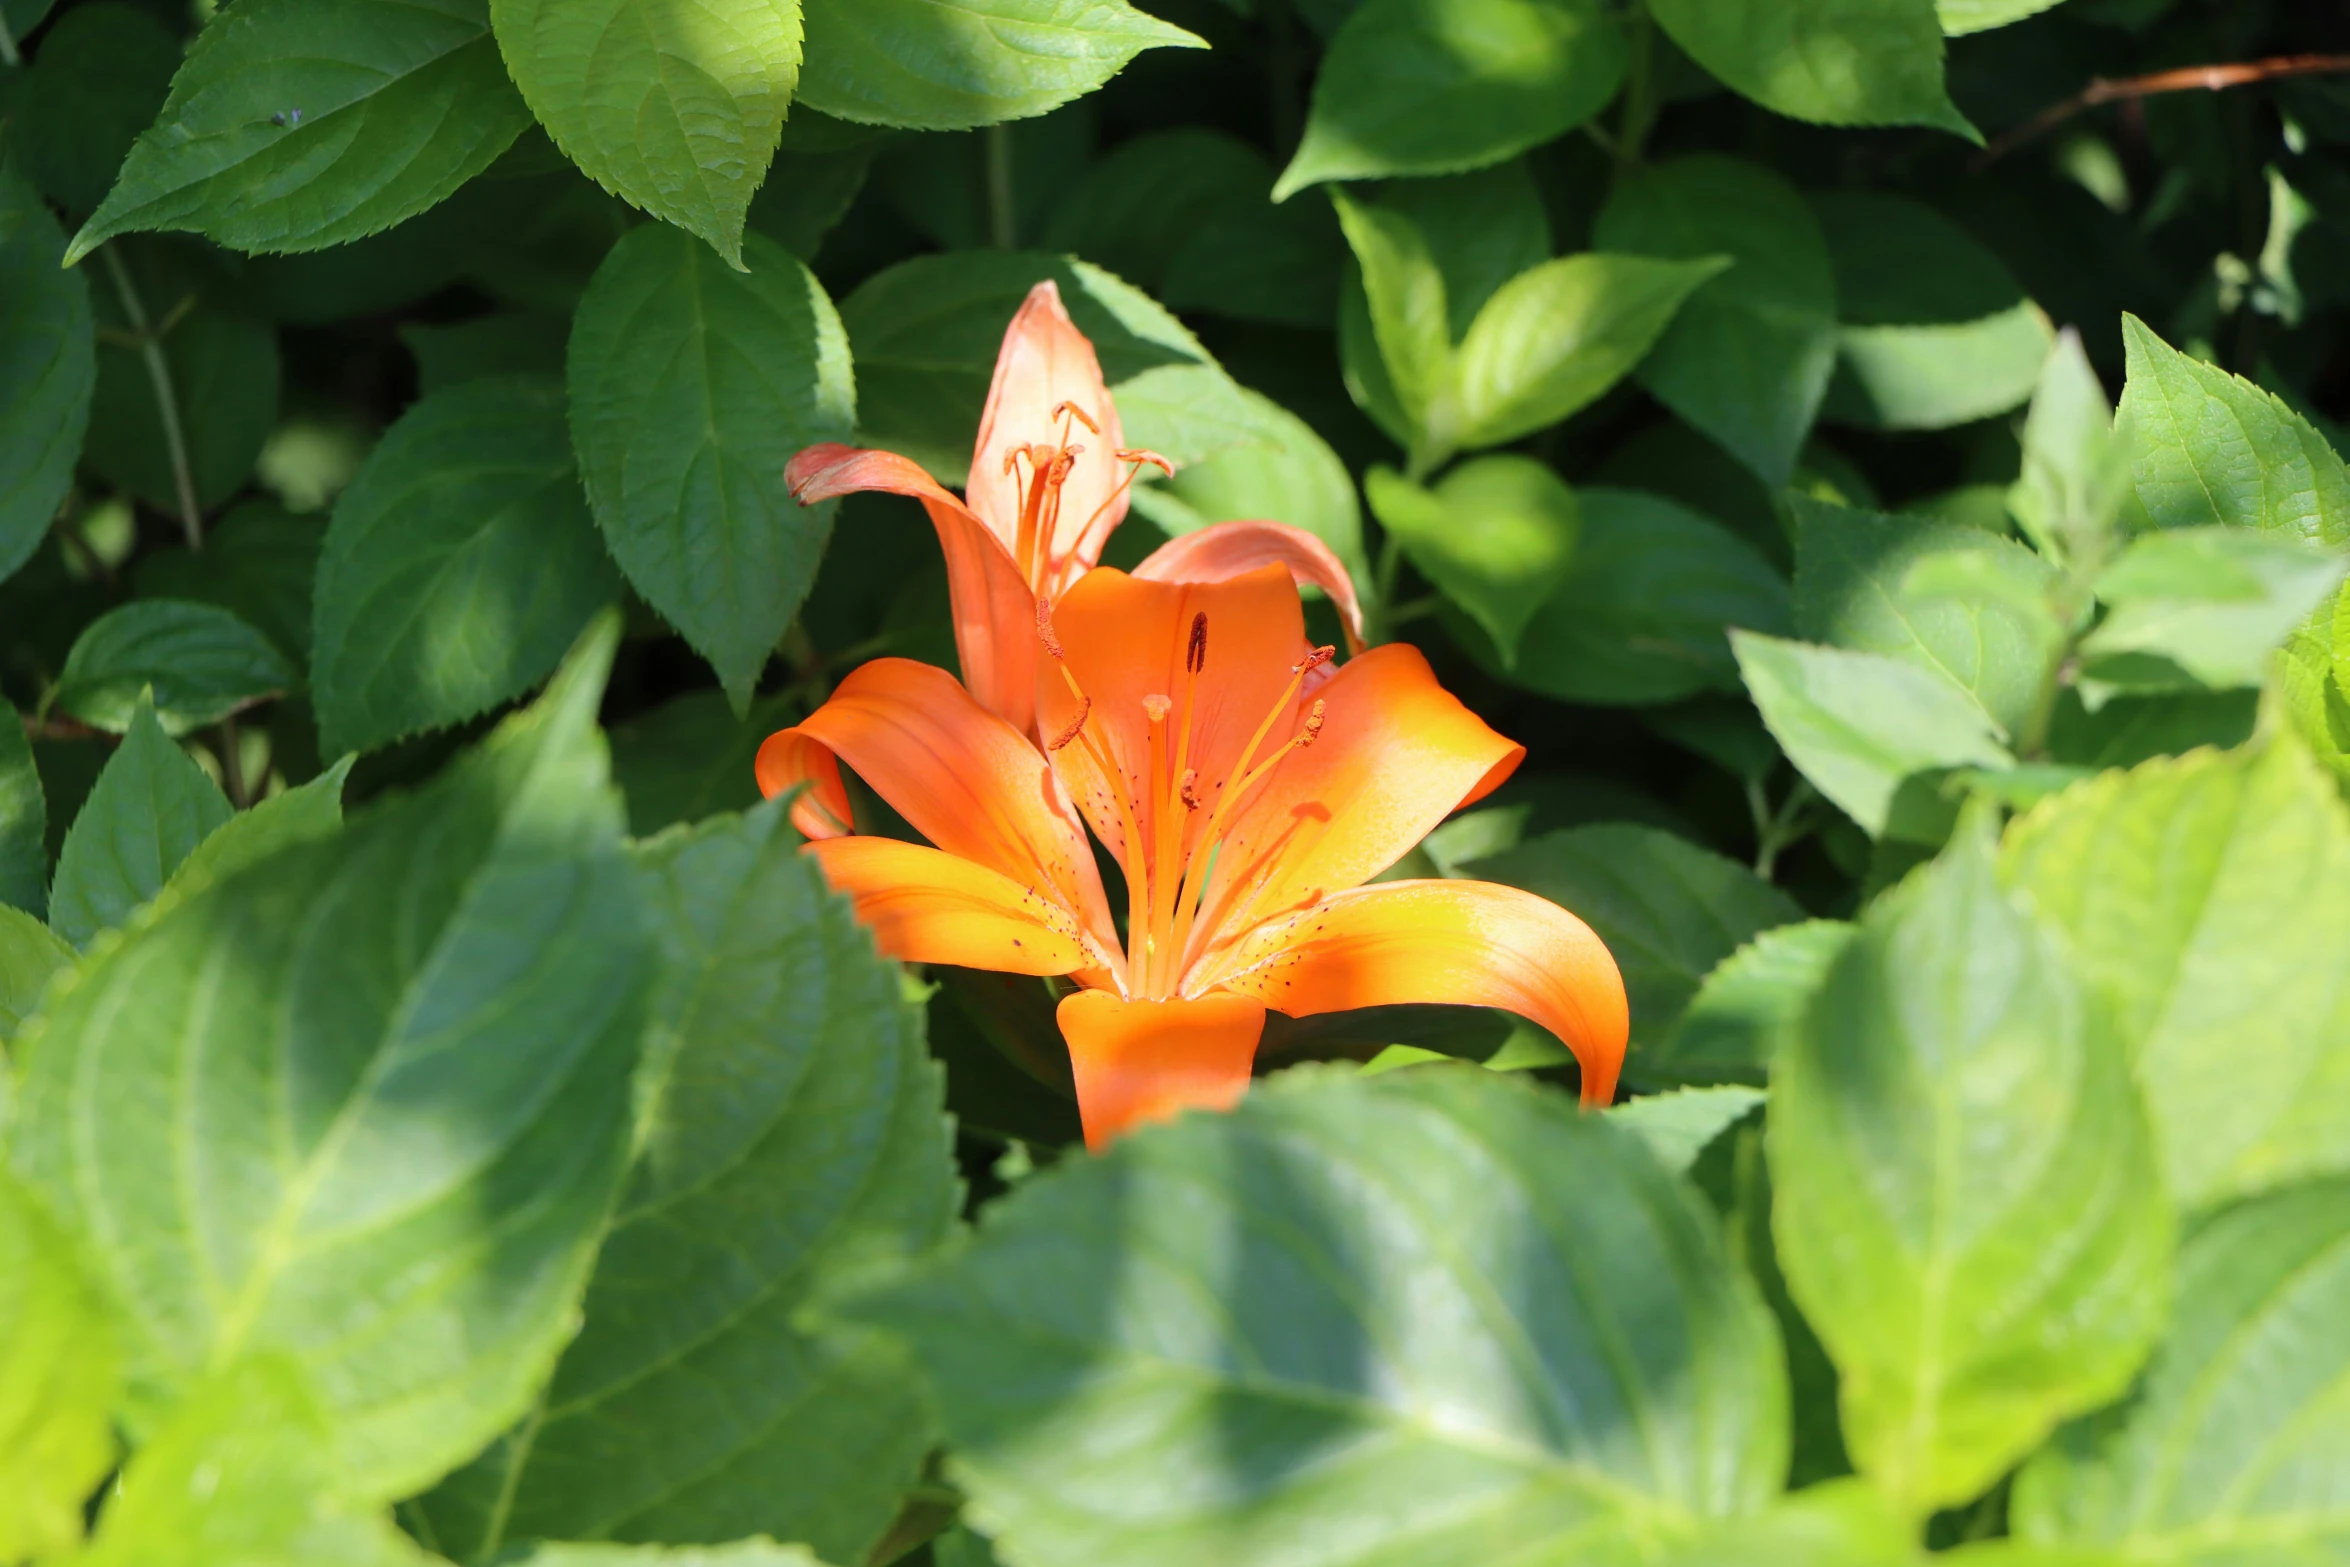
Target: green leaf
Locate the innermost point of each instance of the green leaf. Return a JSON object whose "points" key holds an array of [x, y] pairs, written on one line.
{"points": [[1743, 1010], [2211, 448], [1409, 319], [1647, 596], [2208, 899], [24, 820], [258, 562], [1968, 1207], [1976, 16], [510, 344], [1832, 62], [1552, 339], [675, 108], [1860, 725], [299, 124], [299, 815], [29, 954], [99, 76], [1289, 473], [2311, 696], [1748, 357], [149, 809], [1222, 1340], [690, 758], [1843, 1523], [2205, 606], [2234, 1447], [1864, 580], [2076, 473], [941, 65], [1669, 910], [691, 388], [59, 1373], [223, 374], [47, 369], [1495, 536], [198, 662], [419, 1036], [1481, 229], [1681, 1124], [457, 567], [799, 1141], [740, 1553], [1437, 86]]}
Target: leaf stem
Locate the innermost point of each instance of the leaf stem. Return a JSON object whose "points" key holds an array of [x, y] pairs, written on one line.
{"points": [[167, 404], [2192, 78], [1002, 216]]}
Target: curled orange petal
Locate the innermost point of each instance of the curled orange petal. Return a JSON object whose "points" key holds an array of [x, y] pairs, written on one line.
{"points": [[1047, 366], [925, 906], [1224, 550], [1141, 1061]]}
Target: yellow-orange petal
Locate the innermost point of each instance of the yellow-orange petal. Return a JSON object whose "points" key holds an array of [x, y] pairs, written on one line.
{"points": [[1466, 943], [960, 776], [994, 611], [925, 906], [1141, 1061], [1045, 362], [789, 758], [1397, 753], [1224, 550]]}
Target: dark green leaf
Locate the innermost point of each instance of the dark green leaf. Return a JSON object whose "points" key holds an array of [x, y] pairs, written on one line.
{"points": [[459, 565], [259, 562], [1742, 1011], [98, 78], [199, 662], [299, 815], [1496, 536], [1681, 1124], [1481, 230], [1833, 62], [24, 820], [222, 371], [513, 344], [29, 954], [149, 809], [46, 371], [690, 758], [59, 1373]]}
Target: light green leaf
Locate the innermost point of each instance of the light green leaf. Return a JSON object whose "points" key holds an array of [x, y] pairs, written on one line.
{"points": [[1967, 1205], [691, 757], [419, 1036], [458, 566], [1669, 910], [942, 65], [1409, 319], [740, 1553], [95, 83], [2205, 606], [2076, 472], [2210, 448], [2208, 899], [1681, 1124], [1289, 473], [1859, 725], [675, 106], [29, 954], [47, 368], [149, 809], [1481, 229], [1748, 357], [1843, 1523], [299, 124], [1832, 62], [2311, 696], [1976, 16], [1864, 580], [1437, 86], [24, 820], [200, 662], [223, 373], [1495, 536], [797, 1139], [1743, 1010], [1640, 616], [59, 1373], [691, 388], [2234, 1448], [299, 815], [1382, 1285], [1552, 339]]}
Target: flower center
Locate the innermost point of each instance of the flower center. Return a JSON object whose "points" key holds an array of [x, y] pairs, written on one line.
{"points": [[1048, 468]]}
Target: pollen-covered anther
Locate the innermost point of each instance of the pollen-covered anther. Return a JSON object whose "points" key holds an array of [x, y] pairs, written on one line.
{"points": [[1190, 789], [1144, 458], [1313, 729], [1076, 724], [1044, 631], [1076, 413], [1195, 651], [1314, 660]]}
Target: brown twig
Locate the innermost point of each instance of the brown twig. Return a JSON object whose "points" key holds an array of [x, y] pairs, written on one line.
{"points": [[2192, 78]]}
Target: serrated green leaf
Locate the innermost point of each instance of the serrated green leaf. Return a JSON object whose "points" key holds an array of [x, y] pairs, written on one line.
{"points": [[2310, 687], [259, 562], [224, 378], [691, 386], [1744, 1008], [1266, 1275], [47, 369], [1496, 536], [942, 65], [457, 568], [1832, 62], [299, 124], [59, 1373], [1668, 910], [2076, 473], [199, 662], [2208, 899], [1288, 473], [1438, 86], [1860, 725], [419, 1037], [1748, 356], [798, 1139], [1976, 16], [1409, 319], [1481, 229], [2233, 1449], [1843, 1523], [149, 809], [300, 815], [1680, 1124], [690, 758], [2209, 448], [1968, 1204], [675, 107], [2205, 606], [740, 1553], [99, 76], [24, 820], [29, 954]]}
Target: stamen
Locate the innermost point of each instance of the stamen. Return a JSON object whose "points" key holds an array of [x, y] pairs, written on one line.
{"points": [[1191, 800], [1044, 632], [1195, 652], [1313, 729], [1076, 413], [1084, 710], [1314, 660], [1142, 457]]}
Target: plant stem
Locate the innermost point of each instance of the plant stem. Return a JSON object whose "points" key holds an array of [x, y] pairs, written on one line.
{"points": [[1775, 832], [1002, 216], [2193, 78], [167, 405]]}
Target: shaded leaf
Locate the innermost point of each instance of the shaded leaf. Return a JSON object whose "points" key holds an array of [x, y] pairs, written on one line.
{"points": [[29, 954], [99, 76], [47, 369], [24, 820], [224, 379], [690, 758], [299, 815], [199, 662], [149, 809], [259, 562], [1679, 1125], [1744, 1008], [1289, 474]]}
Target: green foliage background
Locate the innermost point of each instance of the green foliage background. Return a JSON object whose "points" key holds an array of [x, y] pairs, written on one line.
{"points": [[445, 1119]]}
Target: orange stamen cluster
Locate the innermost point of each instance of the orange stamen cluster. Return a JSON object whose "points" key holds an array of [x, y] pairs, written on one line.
{"points": [[1048, 468]]}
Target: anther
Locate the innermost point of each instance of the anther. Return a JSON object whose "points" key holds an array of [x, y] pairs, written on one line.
{"points": [[1313, 729], [1145, 459], [1044, 631], [1076, 413], [1195, 652], [1156, 708], [1314, 660], [1084, 709], [1191, 799]]}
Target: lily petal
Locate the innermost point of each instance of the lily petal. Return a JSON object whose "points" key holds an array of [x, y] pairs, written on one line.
{"points": [[925, 906], [962, 777], [994, 612], [1396, 755], [1224, 550], [1142, 1061], [1046, 362], [1468, 943]]}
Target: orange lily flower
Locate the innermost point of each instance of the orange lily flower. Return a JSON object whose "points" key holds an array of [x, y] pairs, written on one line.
{"points": [[1048, 484], [1247, 788]]}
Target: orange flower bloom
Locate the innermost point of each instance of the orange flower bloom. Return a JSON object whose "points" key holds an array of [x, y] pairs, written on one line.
{"points": [[1245, 786], [1048, 484]]}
